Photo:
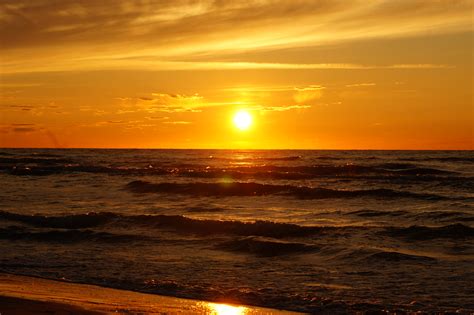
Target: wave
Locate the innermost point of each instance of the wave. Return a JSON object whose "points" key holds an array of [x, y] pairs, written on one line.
{"points": [[35, 166], [256, 159], [256, 189], [213, 227], [23, 170], [286, 158], [175, 223], [430, 215], [34, 154], [389, 256], [65, 236], [345, 169], [77, 221], [40, 160], [452, 159], [415, 232], [445, 215], [329, 158], [378, 213], [185, 225], [205, 209], [265, 247]]}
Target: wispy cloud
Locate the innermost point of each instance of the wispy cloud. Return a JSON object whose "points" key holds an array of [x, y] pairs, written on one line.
{"points": [[172, 35], [256, 96], [20, 128], [171, 103], [178, 122], [157, 118], [26, 108], [158, 65], [284, 88], [360, 84], [35, 110], [304, 95], [280, 108]]}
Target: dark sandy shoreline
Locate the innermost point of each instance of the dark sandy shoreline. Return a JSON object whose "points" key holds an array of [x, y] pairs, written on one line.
{"points": [[31, 295]]}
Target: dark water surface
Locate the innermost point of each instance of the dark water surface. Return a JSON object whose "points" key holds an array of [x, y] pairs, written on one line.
{"points": [[331, 231]]}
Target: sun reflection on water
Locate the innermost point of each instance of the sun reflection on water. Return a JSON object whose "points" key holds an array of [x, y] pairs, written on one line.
{"points": [[225, 309]]}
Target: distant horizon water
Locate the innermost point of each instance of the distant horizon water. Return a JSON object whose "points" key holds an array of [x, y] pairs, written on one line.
{"points": [[217, 149]]}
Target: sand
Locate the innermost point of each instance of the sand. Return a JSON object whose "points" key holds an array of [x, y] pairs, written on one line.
{"points": [[30, 295]]}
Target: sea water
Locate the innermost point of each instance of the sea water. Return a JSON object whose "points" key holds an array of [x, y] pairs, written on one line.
{"points": [[312, 231]]}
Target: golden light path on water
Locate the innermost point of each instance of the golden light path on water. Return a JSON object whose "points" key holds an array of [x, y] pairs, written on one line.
{"points": [[225, 309]]}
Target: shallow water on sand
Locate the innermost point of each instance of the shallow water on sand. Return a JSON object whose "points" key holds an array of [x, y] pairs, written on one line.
{"points": [[331, 231]]}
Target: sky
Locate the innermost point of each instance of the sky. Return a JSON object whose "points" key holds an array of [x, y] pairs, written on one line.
{"points": [[369, 74]]}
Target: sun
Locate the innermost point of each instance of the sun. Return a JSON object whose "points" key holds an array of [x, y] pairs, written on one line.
{"points": [[242, 120]]}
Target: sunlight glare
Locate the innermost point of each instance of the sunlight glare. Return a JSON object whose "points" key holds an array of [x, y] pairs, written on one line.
{"points": [[224, 309], [242, 120]]}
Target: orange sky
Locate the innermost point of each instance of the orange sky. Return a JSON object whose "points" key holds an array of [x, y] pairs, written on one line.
{"points": [[171, 74]]}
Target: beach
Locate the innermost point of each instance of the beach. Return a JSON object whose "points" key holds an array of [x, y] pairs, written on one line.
{"points": [[32, 295]]}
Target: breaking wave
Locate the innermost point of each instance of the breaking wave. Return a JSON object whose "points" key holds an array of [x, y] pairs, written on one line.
{"points": [[265, 247], [377, 213], [65, 236], [443, 159], [256, 189], [50, 165], [186, 225], [415, 232], [258, 159], [389, 256], [176, 223], [77, 221]]}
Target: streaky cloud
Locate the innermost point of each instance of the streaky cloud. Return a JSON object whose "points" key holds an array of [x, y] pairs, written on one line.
{"points": [[43, 35], [189, 66]]}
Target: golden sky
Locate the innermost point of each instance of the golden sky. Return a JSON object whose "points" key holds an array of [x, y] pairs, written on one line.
{"points": [[368, 74]]}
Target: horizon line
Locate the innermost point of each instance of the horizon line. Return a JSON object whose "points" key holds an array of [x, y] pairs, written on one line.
{"points": [[222, 149]]}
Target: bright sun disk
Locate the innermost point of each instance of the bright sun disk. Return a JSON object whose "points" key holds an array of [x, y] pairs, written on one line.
{"points": [[243, 120]]}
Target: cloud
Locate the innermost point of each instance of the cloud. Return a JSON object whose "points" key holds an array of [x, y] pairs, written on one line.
{"points": [[277, 88], [170, 103], [79, 64], [136, 124], [20, 107], [306, 94], [252, 98], [181, 103], [210, 22], [298, 94], [23, 129], [164, 35], [4, 85], [360, 84], [20, 128], [35, 110], [116, 122], [418, 66], [179, 122], [280, 108], [154, 118]]}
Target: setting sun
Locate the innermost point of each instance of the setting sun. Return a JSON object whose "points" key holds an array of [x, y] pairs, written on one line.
{"points": [[242, 120]]}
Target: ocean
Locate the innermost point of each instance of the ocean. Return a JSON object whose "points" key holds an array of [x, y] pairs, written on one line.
{"points": [[311, 231]]}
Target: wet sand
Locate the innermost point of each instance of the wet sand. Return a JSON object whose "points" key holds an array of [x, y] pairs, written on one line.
{"points": [[30, 295]]}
